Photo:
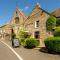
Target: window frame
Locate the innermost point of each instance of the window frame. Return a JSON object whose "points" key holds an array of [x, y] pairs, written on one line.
{"points": [[37, 24]]}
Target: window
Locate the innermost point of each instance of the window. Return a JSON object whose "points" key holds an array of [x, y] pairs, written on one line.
{"points": [[37, 34], [17, 20], [16, 12], [36, 24]]}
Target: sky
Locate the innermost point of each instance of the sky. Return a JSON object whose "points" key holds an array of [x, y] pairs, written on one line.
{"points": [[7, 7]]}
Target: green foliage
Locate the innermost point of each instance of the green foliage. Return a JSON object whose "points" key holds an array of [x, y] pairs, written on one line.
{"points": [[31, 42], [58, 22], [23, 34], [53, 44], [57, 31], [51, 23], [26, 40], [22, 41]]}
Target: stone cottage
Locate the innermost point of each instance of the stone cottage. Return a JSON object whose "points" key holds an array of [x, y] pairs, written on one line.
{"points": [[35, 23]]}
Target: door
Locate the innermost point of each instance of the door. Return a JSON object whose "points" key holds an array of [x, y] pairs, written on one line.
{"points": [[37, 34]]}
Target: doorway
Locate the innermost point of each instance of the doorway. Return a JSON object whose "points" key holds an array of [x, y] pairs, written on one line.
{"points": [[37, 35]]}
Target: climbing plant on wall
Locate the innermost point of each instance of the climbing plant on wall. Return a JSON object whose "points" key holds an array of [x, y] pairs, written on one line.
{"points": [[51, 23]]}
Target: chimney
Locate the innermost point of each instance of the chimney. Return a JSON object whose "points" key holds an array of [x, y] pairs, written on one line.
{"points": [[37, 5]]}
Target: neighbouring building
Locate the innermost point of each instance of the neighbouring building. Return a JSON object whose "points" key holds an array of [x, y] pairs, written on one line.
{"points": [[56, 13]]}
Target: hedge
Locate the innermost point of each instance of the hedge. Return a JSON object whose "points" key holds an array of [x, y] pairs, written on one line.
{"points": [[53, 44]]}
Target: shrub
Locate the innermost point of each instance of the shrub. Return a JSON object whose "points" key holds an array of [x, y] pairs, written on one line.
{"points": [[57, 31], [23, 35], [57, 28], [53, 44], [22, 41], [31, 42], [58, 22]]}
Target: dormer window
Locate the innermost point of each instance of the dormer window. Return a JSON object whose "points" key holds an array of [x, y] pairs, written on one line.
{"points": [[17, 20], [36, 24]]}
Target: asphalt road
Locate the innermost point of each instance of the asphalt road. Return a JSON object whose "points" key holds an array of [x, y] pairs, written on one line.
{"points": [[6, 53], [35, 54], [31, 54]]}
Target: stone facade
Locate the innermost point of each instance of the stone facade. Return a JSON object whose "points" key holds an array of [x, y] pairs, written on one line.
{"points": [[41, 16], [17, 20], [35, 23]]}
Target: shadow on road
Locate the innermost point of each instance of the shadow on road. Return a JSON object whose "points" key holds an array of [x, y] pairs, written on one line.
{"points": [[44, 50]]}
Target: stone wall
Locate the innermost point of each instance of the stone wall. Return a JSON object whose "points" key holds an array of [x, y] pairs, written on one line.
{"points": [[40, 16]]}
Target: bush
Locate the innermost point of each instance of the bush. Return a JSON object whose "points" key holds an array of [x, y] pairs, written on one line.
{"points": [[22, 41], [31, 42], [58, 22], [57, 31], [53, 44]]}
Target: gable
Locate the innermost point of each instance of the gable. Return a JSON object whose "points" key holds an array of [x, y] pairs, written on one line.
{"points": [[37, 9], [17, 14]]}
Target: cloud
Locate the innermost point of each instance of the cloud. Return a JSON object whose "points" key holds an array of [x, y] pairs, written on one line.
{"points": [[26, 7]]}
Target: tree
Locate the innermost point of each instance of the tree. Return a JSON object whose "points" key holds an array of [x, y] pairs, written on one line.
{"points": [[51, 23]]}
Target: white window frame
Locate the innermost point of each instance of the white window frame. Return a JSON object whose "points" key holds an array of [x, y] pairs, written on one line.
{"points": [[36, 24]]}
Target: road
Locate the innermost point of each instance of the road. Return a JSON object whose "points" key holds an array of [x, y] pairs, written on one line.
{"points": [[6, 53], [35, 54], [26, 54]]}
